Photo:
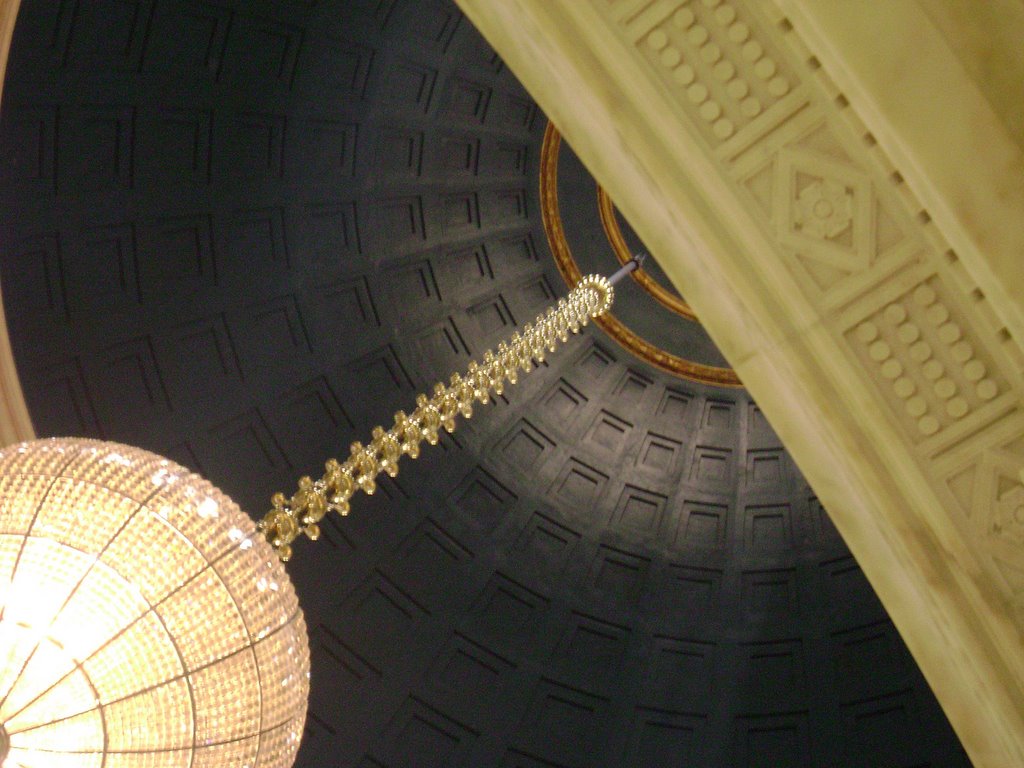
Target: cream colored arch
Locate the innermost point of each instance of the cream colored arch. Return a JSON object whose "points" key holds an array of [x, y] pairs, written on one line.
{"points": [[837, 188], [15, 423]]}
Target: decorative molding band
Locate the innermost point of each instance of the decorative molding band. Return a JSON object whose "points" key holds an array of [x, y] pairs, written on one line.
{"points": [[15, 424], [612, 230], [961, 149], [841, 272]]}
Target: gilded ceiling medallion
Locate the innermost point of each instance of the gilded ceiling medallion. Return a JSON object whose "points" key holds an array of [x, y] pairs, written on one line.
{"points": [[610, 322]]}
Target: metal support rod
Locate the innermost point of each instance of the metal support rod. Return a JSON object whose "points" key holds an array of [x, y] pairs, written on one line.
{"points": [[630, 266]]}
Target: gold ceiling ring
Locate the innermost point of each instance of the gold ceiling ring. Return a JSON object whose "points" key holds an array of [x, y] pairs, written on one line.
{"points": [[570, 271]]}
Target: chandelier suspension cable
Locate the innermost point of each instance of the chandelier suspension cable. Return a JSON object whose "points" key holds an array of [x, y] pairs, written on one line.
{"points": [[630, 266], [291, 517]]}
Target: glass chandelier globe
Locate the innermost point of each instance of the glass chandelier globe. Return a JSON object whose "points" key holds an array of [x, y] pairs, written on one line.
{"points": [[143, 621]]}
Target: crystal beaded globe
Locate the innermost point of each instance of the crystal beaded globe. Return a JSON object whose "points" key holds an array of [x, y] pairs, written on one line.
{"points": [[143, 622]]}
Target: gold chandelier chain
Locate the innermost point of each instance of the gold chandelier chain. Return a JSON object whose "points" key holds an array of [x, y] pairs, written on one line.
{"points": [[300, 514]]}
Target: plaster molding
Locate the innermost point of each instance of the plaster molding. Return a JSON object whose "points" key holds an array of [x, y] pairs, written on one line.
{"points": [[610, 223], [862, 289], [15, 423], [959, 149]]}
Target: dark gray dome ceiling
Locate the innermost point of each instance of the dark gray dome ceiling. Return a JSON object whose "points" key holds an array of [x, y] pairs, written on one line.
{"points": [[242, 234]]}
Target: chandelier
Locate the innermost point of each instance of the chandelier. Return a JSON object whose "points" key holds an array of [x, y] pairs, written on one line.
{"points": [[142, 622], [146, 621]]}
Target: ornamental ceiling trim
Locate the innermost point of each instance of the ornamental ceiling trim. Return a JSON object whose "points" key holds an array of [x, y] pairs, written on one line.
{"points": [[15, 423]]}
